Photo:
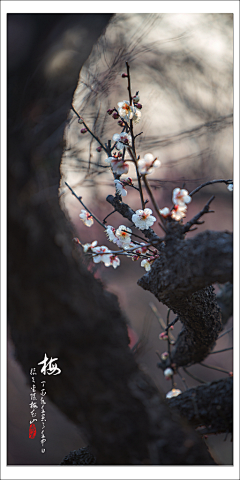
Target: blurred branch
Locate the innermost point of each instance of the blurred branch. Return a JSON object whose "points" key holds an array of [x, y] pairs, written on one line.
{"points": [[209, 405]]}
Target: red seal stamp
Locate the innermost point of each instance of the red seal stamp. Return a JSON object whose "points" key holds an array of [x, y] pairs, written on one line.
{"points": [[32, 431]]}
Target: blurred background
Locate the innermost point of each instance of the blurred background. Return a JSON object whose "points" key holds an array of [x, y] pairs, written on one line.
{"points": [[182, 65]]}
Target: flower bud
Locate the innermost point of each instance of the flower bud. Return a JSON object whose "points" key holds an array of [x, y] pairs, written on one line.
{"points": [[98, 149], [164, 356], [138, 105], [124, 75], [110, 111], [121, 123], [80, 120], [136, 98], [115, 115], [83, 130], [129, 181], [163, 336]]}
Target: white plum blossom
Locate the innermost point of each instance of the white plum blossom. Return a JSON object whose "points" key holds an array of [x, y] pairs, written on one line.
{"points": [[143, 219], [119, 166], [86, 218], [230, 187], [120, 188], [111, 234], [123, 235], [142, 248], [123, 139], [136, 115], [125, 110], [102, 254], [179, 212], [147, 164], [88, 246], [165, 212], [173, 393], [128, 112], [146, 264], [115, 262], [180, 196], [168, 373], [109, 159]]}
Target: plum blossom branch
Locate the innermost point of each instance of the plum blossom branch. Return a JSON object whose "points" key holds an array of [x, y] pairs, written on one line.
{"points": [[80, 200], [128, 212], [90, 131], [227, 182], [130, 101], [133, 156]]}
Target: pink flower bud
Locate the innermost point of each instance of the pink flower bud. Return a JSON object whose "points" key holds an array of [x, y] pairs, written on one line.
{"points": [[115, 115], [121, 123], [110, 111], [163, 336], [171, 328], [99, 149], [138, 105], [124, 75], [230, 374], [83, 130], [119, 154]]}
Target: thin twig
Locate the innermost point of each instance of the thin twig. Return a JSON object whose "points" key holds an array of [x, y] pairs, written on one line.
{"points": [[138, 135], [90, 146], [209, 183], [153, 200], [195, 220], [132, 155], [220, 351], [172, 323], [183, 381], [213, 368], [224, 333], [89, 211], [130, 102], [160, 320], [193, 376], [90, 131], [105, 218]]}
